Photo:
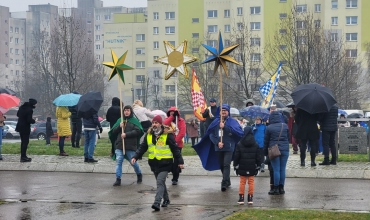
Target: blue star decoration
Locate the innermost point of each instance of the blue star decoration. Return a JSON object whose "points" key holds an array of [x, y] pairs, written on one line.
{"points": [[220, 55]]}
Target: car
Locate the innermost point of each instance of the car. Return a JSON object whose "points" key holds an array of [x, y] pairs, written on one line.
{"points": [[14, 123], [106, 127], [10, 132], [38, 130]]}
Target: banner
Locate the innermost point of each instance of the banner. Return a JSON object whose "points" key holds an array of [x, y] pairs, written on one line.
{"points": [[198, 100]]}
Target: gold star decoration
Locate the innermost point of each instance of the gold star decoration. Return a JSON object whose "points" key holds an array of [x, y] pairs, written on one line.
{"points": [[117, 66], [176, 59]]}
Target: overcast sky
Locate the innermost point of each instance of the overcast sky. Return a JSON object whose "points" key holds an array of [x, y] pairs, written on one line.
{"points": [[22, 5]]}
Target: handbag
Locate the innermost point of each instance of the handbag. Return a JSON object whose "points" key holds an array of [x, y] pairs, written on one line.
{"points": [[274, 151]]}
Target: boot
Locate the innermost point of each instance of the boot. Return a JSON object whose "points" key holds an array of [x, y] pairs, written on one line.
{"points": [[333, 161], [325, 162], [313, 164], [77, 145], [223, 186], [241, 199], [303, 157], [156, 206], [281, 189], [118, 182], [271, 192], [303, 163], [276, 190], [166, 202], [262, 168], [250, 199], [139, 178], [228, 183]]}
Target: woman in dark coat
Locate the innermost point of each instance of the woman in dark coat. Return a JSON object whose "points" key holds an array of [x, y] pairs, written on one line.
{"points": [[192, 129], [113, 114], [25, 120], [307, 131]]}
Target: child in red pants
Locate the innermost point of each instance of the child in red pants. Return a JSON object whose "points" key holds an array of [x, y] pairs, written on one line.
{"points": [[247, 160]]}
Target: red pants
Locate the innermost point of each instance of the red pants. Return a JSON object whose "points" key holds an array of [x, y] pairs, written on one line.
{"points": [[243, 180]]}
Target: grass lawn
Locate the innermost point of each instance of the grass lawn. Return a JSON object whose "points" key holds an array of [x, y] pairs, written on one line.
{"points": [[277, 214], [103, 148]]}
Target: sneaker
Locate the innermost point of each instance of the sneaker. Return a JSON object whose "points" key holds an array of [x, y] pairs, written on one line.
{"points": [[262, 169], [156, 206], [26, 159], [174, 182], [250, 199], [139, 178], [64, 154], [166, 203], [241, 199]]}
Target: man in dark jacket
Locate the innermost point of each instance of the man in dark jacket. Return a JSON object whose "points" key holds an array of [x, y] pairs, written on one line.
{"points": [[90, 125], [113, 114], [329, 127], [49, 131], [210, 113], [25, 120], [76, 127], [162, 147], [132, 132], [307, 132]]}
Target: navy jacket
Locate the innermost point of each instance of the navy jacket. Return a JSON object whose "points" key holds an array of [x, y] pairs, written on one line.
{"points": [[273, 131], [228, 138], [329, 120], [92, 122]]}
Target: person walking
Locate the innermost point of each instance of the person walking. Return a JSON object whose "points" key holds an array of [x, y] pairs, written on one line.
{"points": [[132, 132], [329, 127], [224, 134], [258, 130], [90, 125], [307, 132], [278, 133], [210, 113], [2, 119], [247, 161], [192, 130], [161, 144], [49, 131], [113, 114], [177, 124], [76, 126], [63, 127], [24, 114]]}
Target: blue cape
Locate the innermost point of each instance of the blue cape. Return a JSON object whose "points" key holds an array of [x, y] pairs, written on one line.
{"points": [[206, 149]]}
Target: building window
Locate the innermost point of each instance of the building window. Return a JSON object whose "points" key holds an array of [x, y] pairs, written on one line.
{"points": [[155, 30], [140, 64], [240, 26], [97, 46], [195, 50], [16, 51], [172, 43], [283, 1], [16, 30], [212, 13], [17, 72], [16, 62], [140, 37], [301, 8], [140, 93], [282, 47], [351, 20], [351, 36], [317, 7], [256, 41], [155, 44], [227, 13], [97, 17], [282, 31], [140, 51], [239, 11], [170, 15], [255, 57], [195, 20], [170, 103], [351, 3], [11, 50], [195, 35], [156, 74], [317, 23], [283, 15], [97, 56], [170, 88], [16, 40], [255, 10], [107, 17], [212, 28], [170, 30], [11, 61], [11, 72], [11, 40], [155, 58], [89, 32], [89, 22], [334, 37], [97, 27], [97, 37], [227, 28], [302, 40], [255, 72], [212, 43], [155, 15], [156, 89], [301, 24], [334, 4], [334, 20], [351, 53], [227, 43], [255, 25], [11, 29], [140, 78]]}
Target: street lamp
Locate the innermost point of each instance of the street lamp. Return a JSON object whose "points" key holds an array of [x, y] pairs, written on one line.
{"points": [[132, 90]]}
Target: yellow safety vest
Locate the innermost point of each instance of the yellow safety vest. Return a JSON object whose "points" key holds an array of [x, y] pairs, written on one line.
{"points": [[160, 150]]}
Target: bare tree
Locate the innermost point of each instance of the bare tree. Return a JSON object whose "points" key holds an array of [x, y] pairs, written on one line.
{"points": [[310, 53]]}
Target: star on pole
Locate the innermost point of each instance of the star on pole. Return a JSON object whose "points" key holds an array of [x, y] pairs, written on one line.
{"points": [[117, 66], [176, 59], [220, 55]]}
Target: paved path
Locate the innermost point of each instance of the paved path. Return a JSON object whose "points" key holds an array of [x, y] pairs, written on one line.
{"points": [[51, 163]]}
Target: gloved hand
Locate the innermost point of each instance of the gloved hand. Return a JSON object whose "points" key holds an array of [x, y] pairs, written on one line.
{"points": [[101, 130], [236, 170], [257, 171]]}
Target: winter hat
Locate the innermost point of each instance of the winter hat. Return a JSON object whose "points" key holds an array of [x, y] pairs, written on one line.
{"points": [[131, 110], [158, 119], [259, 117], [212, 100], [32, 101], [226, 107]]}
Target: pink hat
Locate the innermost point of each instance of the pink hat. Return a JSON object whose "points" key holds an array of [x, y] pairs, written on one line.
{"points": [[158, 119]]}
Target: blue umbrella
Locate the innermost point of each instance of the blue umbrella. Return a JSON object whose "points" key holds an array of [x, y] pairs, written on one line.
{"points": [[70, 99], [255, 111], [342, 112]]}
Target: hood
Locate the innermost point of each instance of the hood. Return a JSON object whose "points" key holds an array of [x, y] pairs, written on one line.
{"points": [[132, 111], [115, 101], [173, 108], [275, 117], [248, 130], [48, 119], [225, 106], [165, 130], [249, 100]]}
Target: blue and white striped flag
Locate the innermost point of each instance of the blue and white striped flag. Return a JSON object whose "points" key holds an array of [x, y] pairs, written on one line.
{"points": [[268, 90]]}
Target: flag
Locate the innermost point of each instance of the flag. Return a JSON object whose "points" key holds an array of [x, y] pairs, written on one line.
{"points": [[268, 90], [198, 100]]}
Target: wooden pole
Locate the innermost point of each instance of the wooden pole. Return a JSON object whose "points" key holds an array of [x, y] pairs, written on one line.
{"points": [[222, 132], [121, 110]]}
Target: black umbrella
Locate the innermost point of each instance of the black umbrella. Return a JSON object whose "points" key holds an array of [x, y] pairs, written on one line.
{"points": [[313, 98], [355, 115], [290, 105], [89, 104], [8, 91], [279, 104]]}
